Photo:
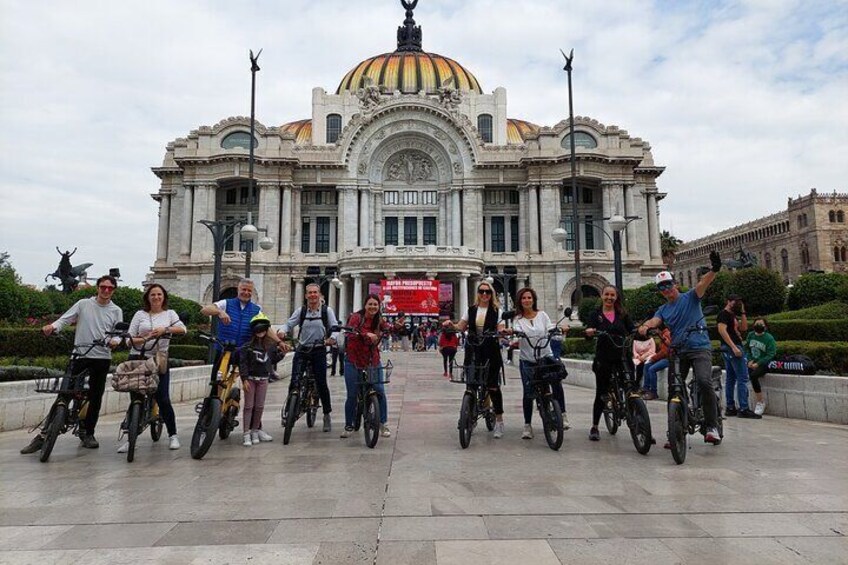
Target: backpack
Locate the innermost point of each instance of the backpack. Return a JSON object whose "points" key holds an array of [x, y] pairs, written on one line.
{"points": [[324, 318], [793, 365]]}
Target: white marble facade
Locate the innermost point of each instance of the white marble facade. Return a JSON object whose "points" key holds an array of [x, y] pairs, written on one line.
{"points": [[404, 163]]}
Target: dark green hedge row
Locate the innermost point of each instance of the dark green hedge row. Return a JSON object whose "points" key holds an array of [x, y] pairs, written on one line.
{"points": [[801, 330], [833, 310], [189, 352], [30, 342]]}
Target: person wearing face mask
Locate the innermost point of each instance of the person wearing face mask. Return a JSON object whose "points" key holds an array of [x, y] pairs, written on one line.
{"points": [[730, 329], [761, 348]]}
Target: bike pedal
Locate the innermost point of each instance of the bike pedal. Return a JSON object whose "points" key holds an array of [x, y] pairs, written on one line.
{"points": [[198, 408]]}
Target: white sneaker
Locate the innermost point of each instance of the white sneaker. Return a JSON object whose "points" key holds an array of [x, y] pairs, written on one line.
{"points": [[124, 447], [760, 408], [254, 436], [565, 424], [528, 432], [499, 430], [385, 431], [247, 440], [346, 433], [173, 442], [261, 436]]}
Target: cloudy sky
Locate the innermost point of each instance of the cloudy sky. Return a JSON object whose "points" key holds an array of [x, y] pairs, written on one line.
{"points": [[743, 102]]}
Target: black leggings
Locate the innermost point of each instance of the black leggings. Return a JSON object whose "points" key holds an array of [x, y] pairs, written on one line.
{"points": [[497, 399], [98, 369], [755, 376], [603, 373], [448, 356]]}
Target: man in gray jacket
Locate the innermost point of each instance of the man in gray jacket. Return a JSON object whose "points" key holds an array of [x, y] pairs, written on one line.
{"points": [[93, 317]]}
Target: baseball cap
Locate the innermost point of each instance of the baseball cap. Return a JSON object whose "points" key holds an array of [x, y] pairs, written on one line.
{"points": [[733, 297], [664, 280]]}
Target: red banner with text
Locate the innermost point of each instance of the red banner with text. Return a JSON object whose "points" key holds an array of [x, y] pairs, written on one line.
{"points": [[414, 298]]}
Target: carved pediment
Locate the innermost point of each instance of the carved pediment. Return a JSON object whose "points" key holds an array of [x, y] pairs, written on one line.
{"points": [[409, 166]]}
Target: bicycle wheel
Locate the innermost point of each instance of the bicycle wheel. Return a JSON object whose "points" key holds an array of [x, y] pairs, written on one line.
{"points": [[133, 425], [466, 419], [312, 408], [611, 419], [229, 422], [677, 430], [640, 425], [489, 416], [291, 414], [156, 429], [371, 420], [52, 430], [207, 424], [552, 422]]}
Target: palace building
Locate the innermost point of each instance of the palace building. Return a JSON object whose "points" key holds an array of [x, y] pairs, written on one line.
{"points": [[811, 234], [409, 169]]}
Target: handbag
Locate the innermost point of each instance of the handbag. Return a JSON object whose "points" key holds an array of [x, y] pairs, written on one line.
{"points": [[551, 368], [141, 376]]}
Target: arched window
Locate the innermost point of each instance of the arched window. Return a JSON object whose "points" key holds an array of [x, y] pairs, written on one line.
{"points": [[238, 139], [784, 260], [484, 126], [831, 216], [840, 216], [843, 254], [836, 253], [581, 139], [334, 127]]}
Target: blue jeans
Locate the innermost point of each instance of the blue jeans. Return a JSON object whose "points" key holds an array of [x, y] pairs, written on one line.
{"points": [[526, 370], [651, 370], [318, 358], [351, 374], [163, 399], [556, 348], [737, 378]]}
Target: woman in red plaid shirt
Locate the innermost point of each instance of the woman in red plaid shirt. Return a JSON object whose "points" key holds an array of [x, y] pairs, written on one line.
{"points": [[362, 352]]}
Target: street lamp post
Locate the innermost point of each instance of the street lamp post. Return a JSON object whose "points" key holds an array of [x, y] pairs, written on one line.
{"points": [[503, 278], [567, 68], [250, 233], [313, 275]]}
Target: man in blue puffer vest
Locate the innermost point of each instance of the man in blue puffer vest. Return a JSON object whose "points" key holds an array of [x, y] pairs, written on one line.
{"points": [[235, 315]]}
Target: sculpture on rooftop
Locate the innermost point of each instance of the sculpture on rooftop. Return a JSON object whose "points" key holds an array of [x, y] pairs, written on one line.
{"points": [[69, 276]]}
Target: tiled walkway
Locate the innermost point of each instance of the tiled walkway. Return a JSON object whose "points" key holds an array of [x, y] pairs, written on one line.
{"points": [[776, 491]]}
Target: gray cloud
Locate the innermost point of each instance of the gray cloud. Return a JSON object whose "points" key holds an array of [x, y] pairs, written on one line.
{"points": [[743, 102]]}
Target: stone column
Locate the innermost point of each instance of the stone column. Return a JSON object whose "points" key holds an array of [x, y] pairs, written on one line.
{"points": [[463, 294], [286, 221], [379, 230], [164, 224], [341, 314], [522, 219], [204, 209], [348, 218], [331, 297], [188, 213], [607, 211], [533, 220], [269, 214], [548, 216], [456, 217], [442, 220], [481, 230], [296, 214], [298, 293], [357, 292], [364, 221], [653, 226], [630, 210]]}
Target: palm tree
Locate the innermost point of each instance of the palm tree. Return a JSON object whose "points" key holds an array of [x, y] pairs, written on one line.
{"points": [[668, 247]]}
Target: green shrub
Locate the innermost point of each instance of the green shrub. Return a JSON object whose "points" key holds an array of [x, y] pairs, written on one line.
{"points": [[188, 352], [642, 302], [842, 291], [792, 330], [14, 301], [183, 305], [815, 288], [834, 310], [10, 373], [578, 346], [717, 292], [829, 357], [587, 306], [38, 304], [762, 290], [59, 301]]}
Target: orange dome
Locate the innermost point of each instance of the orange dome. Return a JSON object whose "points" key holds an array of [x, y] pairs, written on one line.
{"points": [[409, 72]]}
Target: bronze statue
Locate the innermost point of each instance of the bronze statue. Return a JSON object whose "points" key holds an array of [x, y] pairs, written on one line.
{"points": [[69, 276]]}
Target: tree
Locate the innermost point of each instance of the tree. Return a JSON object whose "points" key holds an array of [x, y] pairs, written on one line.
{"points": [[668, 247], [762, 290]]}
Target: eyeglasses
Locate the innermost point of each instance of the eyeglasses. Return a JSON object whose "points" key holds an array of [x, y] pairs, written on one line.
{"points": [[665, 286], [106, 288], [483, 291]]}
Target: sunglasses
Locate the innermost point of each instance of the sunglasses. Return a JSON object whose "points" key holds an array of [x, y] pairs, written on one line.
{"points": [[665, 286], [483, 291], [106, 288]]}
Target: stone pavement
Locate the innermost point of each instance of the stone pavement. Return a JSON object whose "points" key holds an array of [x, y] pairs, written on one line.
{"points": [[776, 491]]}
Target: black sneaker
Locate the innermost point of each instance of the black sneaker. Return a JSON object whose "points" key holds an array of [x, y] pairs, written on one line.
{"points": [[750, 414], [34, 445], [594, 435], [731, 411], [89, 441]]}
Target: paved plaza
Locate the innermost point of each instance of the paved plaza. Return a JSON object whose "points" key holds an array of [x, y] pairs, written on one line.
{"points": [[776, 491]]}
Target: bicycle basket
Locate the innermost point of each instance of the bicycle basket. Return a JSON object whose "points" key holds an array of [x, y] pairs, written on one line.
{"points": [[380, 374], [470, 374], [136, 376], [550, 369], [51, 384]]}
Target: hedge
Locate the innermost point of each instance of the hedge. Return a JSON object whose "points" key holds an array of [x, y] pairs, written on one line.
{"points": [[762, 289], [829, 357], [816, 288], [30, 342], [642, 302], [587, 306], [189, 352], [833, 310], [801, 330]]}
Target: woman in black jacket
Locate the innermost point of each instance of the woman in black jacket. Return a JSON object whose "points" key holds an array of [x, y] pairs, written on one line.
{"points": [[612, 319]]}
